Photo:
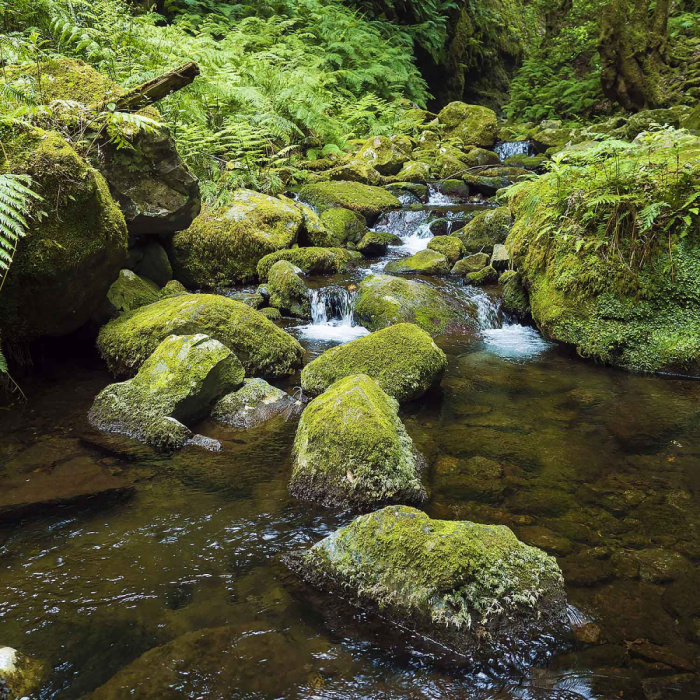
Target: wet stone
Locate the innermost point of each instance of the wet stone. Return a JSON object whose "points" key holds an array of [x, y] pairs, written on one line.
{"points": [[255, 403]]}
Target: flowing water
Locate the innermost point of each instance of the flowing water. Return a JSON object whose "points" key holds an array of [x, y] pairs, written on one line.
{"points": [[505, 149], [181, 585]]}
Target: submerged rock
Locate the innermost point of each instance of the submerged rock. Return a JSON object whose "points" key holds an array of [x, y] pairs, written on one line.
{"points": [[65, 264], [288, 291], [223, 246], [130, 292], [427, 262], [176, 385], [486, 230], [351, 449], [264, 349], [363, 199], [20, 675], [384, 300], [255, 403], [473, 124], [403, 360], [312, 261], [449, 246], [475, 588]]}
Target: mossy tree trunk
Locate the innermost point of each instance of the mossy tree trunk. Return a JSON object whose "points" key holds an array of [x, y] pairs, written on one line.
{"points": [[632, 49]]}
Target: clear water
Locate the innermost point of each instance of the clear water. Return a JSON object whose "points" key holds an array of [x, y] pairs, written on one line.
{"points": [[332, 317], [179, 591], [506, 149]]}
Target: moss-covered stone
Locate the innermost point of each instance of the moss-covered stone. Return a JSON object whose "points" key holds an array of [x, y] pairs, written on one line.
{"points": [[223, 246], [478, 157], [472, 263], [343, 226], [363, 199], [487, 275], [401, 188], [426, 262], [288, 292], [312, 261], [173, 288], [313, 231], [386, 154], [354, 171], [473, 124], [384, 300], [264, 349], [375, 243], [526, 162], [457, 189], [486, 230], [515, 296], [445, 161], [449, 246], [550, 134], [272, 314], [351, 449], [20, 675], [176, 386], [403, 359], [130, 292], [65, 264], [486, 185], [475, 588], [414, 171], [254, 404]]}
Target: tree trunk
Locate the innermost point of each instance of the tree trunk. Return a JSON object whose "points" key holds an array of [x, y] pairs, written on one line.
{"points": [[632, 50]]}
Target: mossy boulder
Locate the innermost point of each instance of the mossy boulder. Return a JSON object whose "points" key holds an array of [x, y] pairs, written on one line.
{"points": [[65, 264], [270, 313], [312, 261], [130, 292], [374, 244], [550, 134], [402, 189], [525, 162], [426, 262], [154, 264], [223, 246], [473, 124], [264, 349], [20, 675], [414, 171], [475, 588], [354, 171], [403, 359], [385, 300], [363, 199], [352, 450], [487, 185], [386, 155], [255, 403], [472, 263], [449, 246], [343, 226], [648, 119], [175, 386], [313, 231], [457, 189], [487, 275], [173, 288], [479, 157], [486, 230], [515, 297], [288, 291]]}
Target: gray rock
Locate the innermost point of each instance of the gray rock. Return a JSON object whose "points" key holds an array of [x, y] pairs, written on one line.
{"points": [[255, 403], [500, 258], [154, 264]]}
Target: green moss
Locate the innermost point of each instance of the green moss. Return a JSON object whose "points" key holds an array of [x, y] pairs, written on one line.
{"points": [[515, 297], [173, 288], [473, 124], [130, 292], [472, 263], [375, 244], [449, 246], [487, 275], [478, 157], [312, 261], [353, 171], [363, 199], [486, 230], [427, 262], [474, 587], [344, 226], [223, 246], [488, 185], [414, 171], [176, 385], [65, 264], [384, 300], [255, 403], [386, 154], [526, 162], [403, 359], [272, 314], [263, 348], [313, 231], [288, 292], [352, 450], [403, 188], [454, 188]]}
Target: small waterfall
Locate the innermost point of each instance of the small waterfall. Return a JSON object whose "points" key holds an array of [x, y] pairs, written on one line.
{"points": [[332, 316], [487, 308], [514, 148]]}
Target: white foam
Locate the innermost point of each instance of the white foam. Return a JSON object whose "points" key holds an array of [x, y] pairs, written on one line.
{"points": [[515, 341]]}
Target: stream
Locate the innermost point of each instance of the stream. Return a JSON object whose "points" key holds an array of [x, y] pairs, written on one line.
{"points": [[596, 466]]}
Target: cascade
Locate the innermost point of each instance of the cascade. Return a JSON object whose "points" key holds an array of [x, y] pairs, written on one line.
{"points": [[514, 148]]}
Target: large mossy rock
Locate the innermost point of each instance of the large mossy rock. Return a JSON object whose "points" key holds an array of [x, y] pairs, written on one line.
{"points": [[312, 261], [385, 300], [176, 386], [426, 262], [473, 124], [288, 291], [386, 155], [363, 199], [475, 588], [403, 359], [352, 450], [264, 349], [223, 246], [449, 246], [154, 188], [131, 292], [255, 403], [486, 230], [343, 226], [65, 264], [374, 244]]}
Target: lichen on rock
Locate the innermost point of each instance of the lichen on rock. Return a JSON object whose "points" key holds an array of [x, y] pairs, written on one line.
{"points": [[403, 359], [352, 450]]}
